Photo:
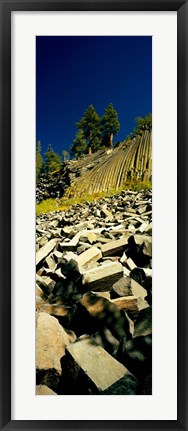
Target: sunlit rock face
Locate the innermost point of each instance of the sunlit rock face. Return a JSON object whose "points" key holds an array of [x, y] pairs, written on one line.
{"points": [[130, 161], [101, 171]]}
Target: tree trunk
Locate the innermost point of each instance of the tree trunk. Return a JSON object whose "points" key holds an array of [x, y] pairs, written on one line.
{"points": [[111, 139], [90, 143]]}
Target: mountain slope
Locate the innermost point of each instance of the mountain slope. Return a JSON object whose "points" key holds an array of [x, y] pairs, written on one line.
{"points": [[101, 171]]}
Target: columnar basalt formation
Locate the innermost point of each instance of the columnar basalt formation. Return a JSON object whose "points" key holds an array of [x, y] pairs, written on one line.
{"points": [[130, 161], [101, 171]]}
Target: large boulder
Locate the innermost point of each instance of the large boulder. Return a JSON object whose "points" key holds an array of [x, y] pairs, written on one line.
{"points": [[51, 341]]}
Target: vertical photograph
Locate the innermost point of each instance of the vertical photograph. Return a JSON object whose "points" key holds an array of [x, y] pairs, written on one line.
{"points": [[93, 215]]}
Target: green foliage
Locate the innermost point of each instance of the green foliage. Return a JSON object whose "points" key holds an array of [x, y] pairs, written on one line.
{"points": [[65, 203], [90, 125], [94, 132], [143, 123], [46, 206], [39, 161], [65, 155], [79, 145], [52, 160], [137, 186], [110, 124]]}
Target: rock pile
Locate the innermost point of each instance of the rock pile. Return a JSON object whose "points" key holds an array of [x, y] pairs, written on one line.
{"points": [[94, 297]]}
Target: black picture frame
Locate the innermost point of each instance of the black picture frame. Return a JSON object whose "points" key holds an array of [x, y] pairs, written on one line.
{"points": [[6, 7]]}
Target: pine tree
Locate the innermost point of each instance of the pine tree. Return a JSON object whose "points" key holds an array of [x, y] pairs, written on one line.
{"points": [[110, 125], [90, 124], [52, 160], [39, 160], [79, 146]]}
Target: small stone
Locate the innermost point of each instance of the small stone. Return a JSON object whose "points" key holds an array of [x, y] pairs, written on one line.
{"points": [[142, 209], [146, 213], [92, 237], [147, 240], [42, 241], [68, 231], [70, 245], [131, 228], [138, 290], [54, 223], [51, 263], [143, 324], [126, 271], [102, 294], [131, 304], [91, 255], [111, 259], [43, 285], [97, 213], [148, 229], [107, 214], [123, 258], [148, 272], [143, 227], [58, 256], [40, 293], [122, 287], [82, 247], [39, 302], [131, 265]]}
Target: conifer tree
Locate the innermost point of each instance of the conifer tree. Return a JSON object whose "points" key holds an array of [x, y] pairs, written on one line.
{"points": [[79, 146], [52, 160], [110, 125], [39, 160], [90, 124]]}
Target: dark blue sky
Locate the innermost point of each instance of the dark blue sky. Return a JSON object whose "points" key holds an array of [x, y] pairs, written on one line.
{"points": [[73, 72]]}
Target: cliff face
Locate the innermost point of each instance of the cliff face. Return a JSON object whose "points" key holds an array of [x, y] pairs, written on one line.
{"points": [[100, 171]]}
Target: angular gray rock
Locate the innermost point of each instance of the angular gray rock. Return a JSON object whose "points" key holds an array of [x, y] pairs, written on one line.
{"points": [[114, 247], [94, 274], [94, 365], [102, 277], [44, 251], [51, 340], [44, 390]]}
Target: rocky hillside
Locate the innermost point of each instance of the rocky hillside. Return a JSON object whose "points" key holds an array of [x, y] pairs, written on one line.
{"points": [[100, 171], [94, 297]]}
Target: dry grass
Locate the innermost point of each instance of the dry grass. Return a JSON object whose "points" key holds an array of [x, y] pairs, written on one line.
{"points": [[65, 203]]}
